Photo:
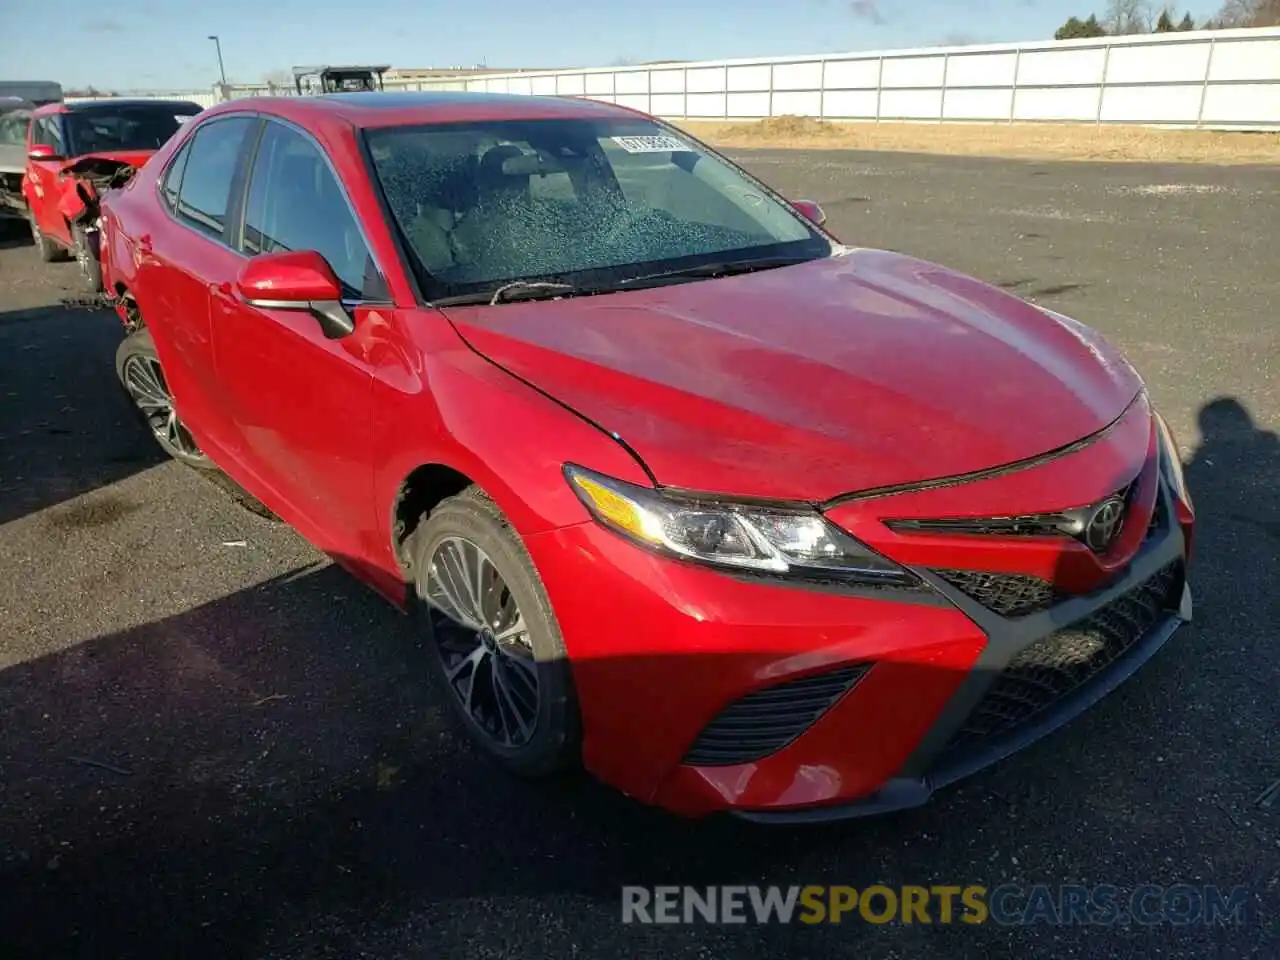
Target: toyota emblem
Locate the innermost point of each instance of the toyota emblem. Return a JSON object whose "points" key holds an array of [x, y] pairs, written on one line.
{"points": [[1104, 525]]}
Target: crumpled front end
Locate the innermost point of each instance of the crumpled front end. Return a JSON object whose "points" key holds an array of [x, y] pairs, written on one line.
{"points": [[84, 182]]}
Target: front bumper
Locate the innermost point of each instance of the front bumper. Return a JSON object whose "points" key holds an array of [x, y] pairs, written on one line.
{"points": [[933, 765], [660, 648]]}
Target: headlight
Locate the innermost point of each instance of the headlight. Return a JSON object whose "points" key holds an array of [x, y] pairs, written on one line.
{"points": [[1171, 461], [781, 540]]}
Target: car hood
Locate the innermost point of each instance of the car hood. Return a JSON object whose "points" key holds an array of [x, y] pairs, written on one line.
{"points": [[95, 161], [857, 371]]}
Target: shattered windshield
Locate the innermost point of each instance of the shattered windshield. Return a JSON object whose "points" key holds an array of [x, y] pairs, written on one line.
{"points": [[139, 127], [593, 201]]}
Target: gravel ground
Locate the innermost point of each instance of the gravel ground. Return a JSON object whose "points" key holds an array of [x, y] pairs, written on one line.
{"points": [[212, 743]]}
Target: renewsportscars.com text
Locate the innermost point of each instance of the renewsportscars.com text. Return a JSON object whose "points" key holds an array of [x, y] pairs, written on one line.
{"points": [[1008, 904]]}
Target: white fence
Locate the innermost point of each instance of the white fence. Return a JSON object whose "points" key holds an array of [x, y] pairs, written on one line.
{"points": [[1218, 78]]}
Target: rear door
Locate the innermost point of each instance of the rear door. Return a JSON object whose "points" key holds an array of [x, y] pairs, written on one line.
{"points": [[179, 253], [302, 403]]}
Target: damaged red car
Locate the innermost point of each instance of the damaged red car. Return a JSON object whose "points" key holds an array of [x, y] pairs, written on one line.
{"points": [[78, 151], [676, 485]]}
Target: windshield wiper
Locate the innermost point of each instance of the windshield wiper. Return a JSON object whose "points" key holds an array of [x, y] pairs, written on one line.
{"points": [[725, 268], [548, 290], [508, 292]]}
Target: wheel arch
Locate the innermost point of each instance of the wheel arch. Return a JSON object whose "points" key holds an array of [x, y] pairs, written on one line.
{"points": [[126, 307], [420, 492]]}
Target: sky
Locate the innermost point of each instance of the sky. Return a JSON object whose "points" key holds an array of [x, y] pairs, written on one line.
{"points": [[163, 45]]}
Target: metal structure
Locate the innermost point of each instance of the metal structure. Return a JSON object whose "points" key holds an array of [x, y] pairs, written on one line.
{"points": [[222, 70], [326, 79]]}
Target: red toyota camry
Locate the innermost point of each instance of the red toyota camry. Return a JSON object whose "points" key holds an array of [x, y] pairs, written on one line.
{"points": [[677, 486]]}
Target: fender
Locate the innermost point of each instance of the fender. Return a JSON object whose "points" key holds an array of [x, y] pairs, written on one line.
{"points": [[496, 438]]}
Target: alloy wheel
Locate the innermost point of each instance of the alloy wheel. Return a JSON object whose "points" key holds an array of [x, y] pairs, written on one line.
{"points": [[483, 641], [145, 382]]}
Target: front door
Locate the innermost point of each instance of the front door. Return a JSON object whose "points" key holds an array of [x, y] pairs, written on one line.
{"points": [[302, 403], [42, 179]]}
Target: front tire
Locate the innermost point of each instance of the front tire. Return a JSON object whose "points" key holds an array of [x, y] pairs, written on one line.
{"points": [[138, 368], [49, 250], [495, 647], [87, 260]]}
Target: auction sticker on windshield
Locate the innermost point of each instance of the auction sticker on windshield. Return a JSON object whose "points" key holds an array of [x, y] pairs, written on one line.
{"points": [[656, 144]]}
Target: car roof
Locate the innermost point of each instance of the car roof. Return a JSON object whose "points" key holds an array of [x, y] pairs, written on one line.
{"points": [[115, 103], [405, 108]]}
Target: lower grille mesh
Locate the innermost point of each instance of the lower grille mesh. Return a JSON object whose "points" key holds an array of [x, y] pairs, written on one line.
{"points": [[767, 720], [1010, 595], [1052, 668]]}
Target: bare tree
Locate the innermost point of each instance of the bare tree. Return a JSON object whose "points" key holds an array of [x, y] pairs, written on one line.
{"points": [[1128, 16], [1248, 13], [278, 78]]}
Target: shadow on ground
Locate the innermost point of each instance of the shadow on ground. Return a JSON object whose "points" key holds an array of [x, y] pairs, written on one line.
{"points": [[66, 426], [14, 233]]}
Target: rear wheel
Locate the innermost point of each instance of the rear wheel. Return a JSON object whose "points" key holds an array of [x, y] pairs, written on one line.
{"points": [[49, 250], [139, 370], [142, 377], [494, 644]]}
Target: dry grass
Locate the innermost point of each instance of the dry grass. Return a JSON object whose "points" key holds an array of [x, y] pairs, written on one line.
{"points": [[1025, 141]]}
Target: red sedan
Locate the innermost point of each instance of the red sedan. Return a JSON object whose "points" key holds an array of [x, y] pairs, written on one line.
{"points": [[75, 151], [678, 487]]}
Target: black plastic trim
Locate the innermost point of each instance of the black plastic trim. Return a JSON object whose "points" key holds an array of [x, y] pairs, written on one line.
{"points": [[929, 767], [765, 721], [1005, 636], [902, 793]]}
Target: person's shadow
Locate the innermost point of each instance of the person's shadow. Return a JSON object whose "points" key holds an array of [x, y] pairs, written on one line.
{"points": [[1234, 478], [1234, 665]]}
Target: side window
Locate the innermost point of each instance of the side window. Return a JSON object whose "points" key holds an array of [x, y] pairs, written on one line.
{"points": [[49, 133], [173, 177], [295, 203], [208, 171]]}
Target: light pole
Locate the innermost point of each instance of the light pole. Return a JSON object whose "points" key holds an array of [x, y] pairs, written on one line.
{"points": [[222, 71]]}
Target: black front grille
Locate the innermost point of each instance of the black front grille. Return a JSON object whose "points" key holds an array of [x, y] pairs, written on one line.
{"points": [[1030, 525], [767, 720], [1008, 594], [1052, 668]]}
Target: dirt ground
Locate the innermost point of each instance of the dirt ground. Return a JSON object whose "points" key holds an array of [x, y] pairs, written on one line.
{"points": [[1019, 141]]}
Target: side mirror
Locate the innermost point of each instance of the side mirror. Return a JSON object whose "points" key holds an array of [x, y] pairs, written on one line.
{"points": [[296, 280], [42, 151], [810, 210]]}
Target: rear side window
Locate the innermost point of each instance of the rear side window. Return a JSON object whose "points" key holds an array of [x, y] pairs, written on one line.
{"points": [[209, 169], [173, 177], [295, 203]]}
